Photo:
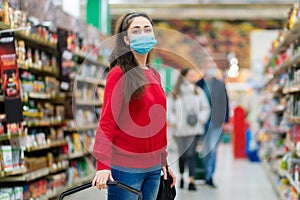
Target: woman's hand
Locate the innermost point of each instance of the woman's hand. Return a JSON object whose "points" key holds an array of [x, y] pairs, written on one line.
{"points": [[171, 174], [101, 178]]}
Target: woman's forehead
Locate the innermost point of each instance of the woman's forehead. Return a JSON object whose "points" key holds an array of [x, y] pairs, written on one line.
{"points": [[140, 22]]}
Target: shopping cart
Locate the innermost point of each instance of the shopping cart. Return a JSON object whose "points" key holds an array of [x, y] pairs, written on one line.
{"points": [[70, 194]]}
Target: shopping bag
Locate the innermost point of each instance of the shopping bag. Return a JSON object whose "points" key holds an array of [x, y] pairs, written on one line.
{"points": [[165, 191]]}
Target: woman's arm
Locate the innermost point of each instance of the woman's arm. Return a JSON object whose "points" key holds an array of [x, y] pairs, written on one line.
{"points": [[108, 121]]}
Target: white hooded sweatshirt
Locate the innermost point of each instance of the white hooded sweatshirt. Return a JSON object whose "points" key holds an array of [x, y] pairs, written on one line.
{"points": [[188, 102]]}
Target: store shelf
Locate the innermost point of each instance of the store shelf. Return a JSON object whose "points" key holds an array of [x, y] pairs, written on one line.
{"points": [[33, 40], [288, 64], [87, 80], [44, 71], [273, 179], [44, 122], [33, 114], [279, 109], [53, 144], [58, 168], [78, 155], [41, 197], [35, 95], [292, 182], [13, 172], [101, 84], [6, 136], [85, 57], [291, 89], [26, 177], [88, 103], [294, 119], [82, 128], [79, 181]]}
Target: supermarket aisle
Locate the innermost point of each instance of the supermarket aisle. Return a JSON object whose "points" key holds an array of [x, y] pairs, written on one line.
{"points": [[236, 180]]}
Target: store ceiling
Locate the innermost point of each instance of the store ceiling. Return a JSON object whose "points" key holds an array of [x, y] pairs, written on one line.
{"points": [[200, 1], [203, 11]]}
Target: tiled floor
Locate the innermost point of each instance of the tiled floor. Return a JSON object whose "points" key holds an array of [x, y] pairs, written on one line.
{"points": [[236, 180]]}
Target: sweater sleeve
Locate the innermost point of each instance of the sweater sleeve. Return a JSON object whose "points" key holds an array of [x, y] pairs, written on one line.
{"points": [[107, 125], [171, 118]]}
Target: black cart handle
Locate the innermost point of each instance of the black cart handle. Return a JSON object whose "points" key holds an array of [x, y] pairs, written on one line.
{"points": [[111, 183]]}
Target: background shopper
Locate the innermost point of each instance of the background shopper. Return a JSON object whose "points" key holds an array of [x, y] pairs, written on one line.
{"points": [[216, 93], [131, 145], [187, 99]]}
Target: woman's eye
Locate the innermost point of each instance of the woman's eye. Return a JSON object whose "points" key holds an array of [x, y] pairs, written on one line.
{"points": [[148, 30], [135, 31]]}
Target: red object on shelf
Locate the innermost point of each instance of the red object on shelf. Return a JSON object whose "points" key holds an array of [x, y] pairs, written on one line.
{"points": [[239, 133]]}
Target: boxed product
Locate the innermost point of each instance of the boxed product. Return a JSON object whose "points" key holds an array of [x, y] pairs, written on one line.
{"points": [[18, 193], [36, 163], [4, 196], [6, 152], [9, 192], [17, 157]]}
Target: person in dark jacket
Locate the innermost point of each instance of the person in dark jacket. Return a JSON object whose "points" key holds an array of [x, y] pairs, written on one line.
{"points": [[216, 93]]}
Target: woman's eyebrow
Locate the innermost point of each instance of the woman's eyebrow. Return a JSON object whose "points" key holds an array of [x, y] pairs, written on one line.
{"points": [[136, 27], [141, 26]]}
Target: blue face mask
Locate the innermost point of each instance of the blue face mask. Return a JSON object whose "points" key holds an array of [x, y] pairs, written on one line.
{"points": [[142, 44]]}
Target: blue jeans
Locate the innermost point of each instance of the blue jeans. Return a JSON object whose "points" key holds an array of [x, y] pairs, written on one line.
{"points": [[147, 182], [211, 143], [210, 164]]}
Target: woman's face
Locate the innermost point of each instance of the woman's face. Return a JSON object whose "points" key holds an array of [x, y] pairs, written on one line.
{"points": [[139, 25], [192, 76]]}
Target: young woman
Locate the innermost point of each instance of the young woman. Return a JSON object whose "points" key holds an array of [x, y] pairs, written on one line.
{"points": [[131, 141], [188, 111]]}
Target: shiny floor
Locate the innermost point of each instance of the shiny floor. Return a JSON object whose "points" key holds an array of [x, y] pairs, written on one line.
{"points": [[235, 180]]}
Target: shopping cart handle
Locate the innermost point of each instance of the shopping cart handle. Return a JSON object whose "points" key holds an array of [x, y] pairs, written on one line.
{"points": [[74, 190], [89, 184], [126, 187]]}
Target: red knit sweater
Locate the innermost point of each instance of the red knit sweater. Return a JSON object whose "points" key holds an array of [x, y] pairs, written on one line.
{"points": [[132, 134]]}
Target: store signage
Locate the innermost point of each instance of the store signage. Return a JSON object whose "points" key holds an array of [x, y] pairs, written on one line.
{"points": [[10, 78]]}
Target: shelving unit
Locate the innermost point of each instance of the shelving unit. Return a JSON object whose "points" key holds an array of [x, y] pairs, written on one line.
{"points": [[53, 146], [23, 176], [280, 124]]}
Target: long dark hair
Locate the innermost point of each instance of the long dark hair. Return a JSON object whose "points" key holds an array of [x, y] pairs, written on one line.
{"points": [[180, 80], [121, 55]]}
